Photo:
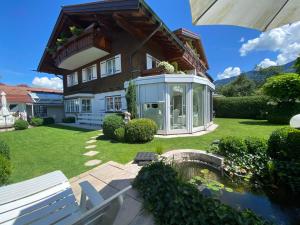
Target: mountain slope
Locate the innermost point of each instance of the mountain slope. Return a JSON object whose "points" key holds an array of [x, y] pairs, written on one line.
{"points": [[258, 76]]}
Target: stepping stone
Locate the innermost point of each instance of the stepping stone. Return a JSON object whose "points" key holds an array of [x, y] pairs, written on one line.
{"points": [[91, 153], [95, 137], [91, 141], [90, 146], [93, 162]]}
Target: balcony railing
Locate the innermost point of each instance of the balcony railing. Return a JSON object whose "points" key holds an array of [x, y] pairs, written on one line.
{"points": [[189, 56], [90, 38]]}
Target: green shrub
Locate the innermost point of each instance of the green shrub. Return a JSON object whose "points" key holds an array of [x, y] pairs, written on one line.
{"points": [[140, 130], [251, 107], [110, 124], [284, 144], [4, 149], [48, 120], [282, 113], [256, 145], [36, 121], [5, 170], [69, 119], [167, 67], [232, 144], [21, 124], [174, 202], [119, 134]]}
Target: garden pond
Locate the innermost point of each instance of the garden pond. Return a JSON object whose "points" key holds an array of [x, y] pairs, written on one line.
{"points": [[240, 195]]}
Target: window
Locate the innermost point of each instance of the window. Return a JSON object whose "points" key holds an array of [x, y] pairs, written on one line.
{"points": [[72, 106], [89, 73], [72, 79], [86, 106], [151, 62], [40, 111], [111, 66], [113, 103]]}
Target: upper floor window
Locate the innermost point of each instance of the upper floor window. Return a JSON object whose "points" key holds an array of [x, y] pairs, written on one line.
{"points": [[89, 73], [111, 66], [113, 103], [72, 79], [151, 62], [86, 106]]}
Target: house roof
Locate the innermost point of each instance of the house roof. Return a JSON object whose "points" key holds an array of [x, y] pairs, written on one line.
{"points": [[20, 94], [135, 16]]}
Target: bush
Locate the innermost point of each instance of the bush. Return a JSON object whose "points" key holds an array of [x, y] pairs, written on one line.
{"points": [[5, 170], [256, 145], [21, 124], [36, 121], [69, 119], [251, 107], [48, 120], [284, 144], [110, 124], [4, 149], [140, 130], [232, 144], [119, 134], [167, 67], [282, 113], [174, 202]]}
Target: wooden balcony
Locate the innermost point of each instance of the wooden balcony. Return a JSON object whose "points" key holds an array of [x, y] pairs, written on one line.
{"points": [[81, 50], [190, 58]]}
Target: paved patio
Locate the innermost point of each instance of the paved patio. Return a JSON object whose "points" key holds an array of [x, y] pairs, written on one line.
{"points": [[110, 178]]}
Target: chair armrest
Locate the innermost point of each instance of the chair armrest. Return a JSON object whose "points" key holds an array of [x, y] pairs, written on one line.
{"points": [[88, 191]]}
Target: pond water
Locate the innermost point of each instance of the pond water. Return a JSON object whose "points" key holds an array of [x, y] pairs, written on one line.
{"points": [[239, 195]]}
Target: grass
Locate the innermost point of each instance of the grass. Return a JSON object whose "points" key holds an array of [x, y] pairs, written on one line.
{"points": [[44, 149]]}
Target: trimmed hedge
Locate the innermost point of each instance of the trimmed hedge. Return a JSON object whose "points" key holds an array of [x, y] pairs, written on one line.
{"points": [[5, 170], [110, 124], [173, 202], [36, 121], [4, 149], [256, 145], [69, 119], [140, 130], [48, 120], [284, 144], [120, 134], [281, 114], [251, 107], [232, 144], [21, 124]]}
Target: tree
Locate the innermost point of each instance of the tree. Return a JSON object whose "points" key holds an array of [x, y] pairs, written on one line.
{"points": [[283, 88], [297, 65], [131, 99], [241, 86]]}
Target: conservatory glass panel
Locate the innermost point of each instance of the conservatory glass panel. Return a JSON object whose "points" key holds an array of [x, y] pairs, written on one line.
{"points": [[178, 106], [198, 91]]}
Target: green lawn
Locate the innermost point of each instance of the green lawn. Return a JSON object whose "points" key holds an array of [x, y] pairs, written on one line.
{"points": [[43, 149]]}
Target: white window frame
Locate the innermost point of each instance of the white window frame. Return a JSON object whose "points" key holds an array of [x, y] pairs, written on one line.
{"points": [[89, 77], [72, 79], [84, 107], [72, 105], [111, 66], [110, 103], [149, 61]]}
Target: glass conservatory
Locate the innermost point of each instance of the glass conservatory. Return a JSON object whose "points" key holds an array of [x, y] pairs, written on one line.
{"points": [[177, 103]]}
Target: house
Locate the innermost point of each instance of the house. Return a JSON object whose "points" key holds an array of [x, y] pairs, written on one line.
{"points": [[98, 47], [26, 102]]}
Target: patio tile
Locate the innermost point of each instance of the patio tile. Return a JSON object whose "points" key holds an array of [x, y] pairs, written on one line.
{"points": [[91, 141], [91, 153], [90, 146], [93, 162]]}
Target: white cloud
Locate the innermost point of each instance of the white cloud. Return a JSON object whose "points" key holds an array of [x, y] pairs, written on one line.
{"points": [[45, 82], [266, 63], [242, 39], [285, 40], [229, 72]]}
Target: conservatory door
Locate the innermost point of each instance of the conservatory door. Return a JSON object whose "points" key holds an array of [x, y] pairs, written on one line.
{"points": [[178, 114]]}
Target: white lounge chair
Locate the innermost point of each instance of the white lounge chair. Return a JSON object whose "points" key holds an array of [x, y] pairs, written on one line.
{"points": [[49, 199]]}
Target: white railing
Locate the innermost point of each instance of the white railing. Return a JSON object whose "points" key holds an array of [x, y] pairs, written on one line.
{"points": [[90, 118]]}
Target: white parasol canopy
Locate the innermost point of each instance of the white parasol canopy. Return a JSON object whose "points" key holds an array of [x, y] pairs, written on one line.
{"points": [[257, 14], [4, 111]]}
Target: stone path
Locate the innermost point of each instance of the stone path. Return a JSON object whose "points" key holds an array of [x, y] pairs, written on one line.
{"points": [[93, 162], [91, 153], [91, 141], [90, 146], [108, 179]]}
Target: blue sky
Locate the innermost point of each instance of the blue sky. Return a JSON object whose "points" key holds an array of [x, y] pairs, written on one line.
{"points": [[26, 27]]}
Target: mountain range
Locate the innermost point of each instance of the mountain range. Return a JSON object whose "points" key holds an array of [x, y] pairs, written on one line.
{"points": [[259, 75]]}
